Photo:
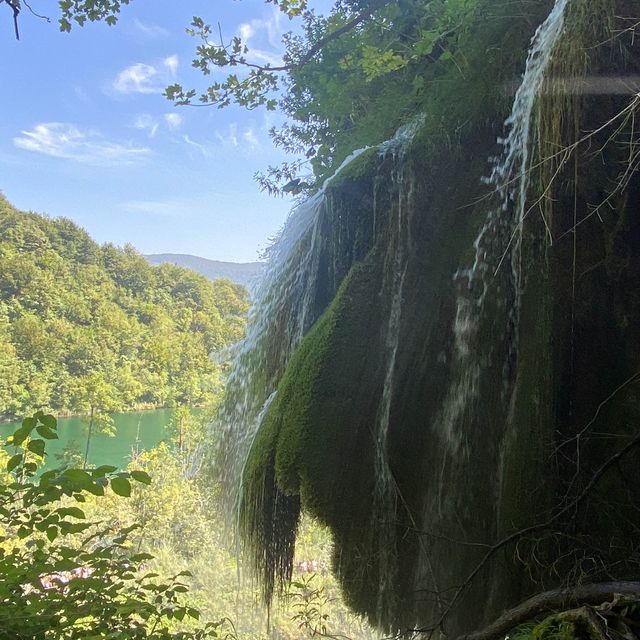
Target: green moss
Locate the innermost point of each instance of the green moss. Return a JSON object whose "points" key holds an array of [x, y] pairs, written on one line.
{"points": [[304, 439], [316, 446], [551, 628]]}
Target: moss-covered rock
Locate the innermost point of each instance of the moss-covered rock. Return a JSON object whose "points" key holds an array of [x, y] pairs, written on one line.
{"points": [[489, 403]]}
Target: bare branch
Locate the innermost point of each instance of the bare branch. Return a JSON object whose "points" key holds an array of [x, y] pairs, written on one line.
{"points": [[15, 6], [555, 600], [35, 13]]}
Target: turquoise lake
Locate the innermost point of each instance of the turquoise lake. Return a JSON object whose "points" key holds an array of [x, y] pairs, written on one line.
{"points": [[135, 432]]}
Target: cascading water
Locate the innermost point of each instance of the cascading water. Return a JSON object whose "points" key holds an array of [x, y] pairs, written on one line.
{"points": [[474, 354], [386, 493], [282, 312], [499, 237], [285, 307], [414, 418]]}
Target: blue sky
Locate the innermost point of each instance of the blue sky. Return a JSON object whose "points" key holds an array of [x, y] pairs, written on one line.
{"points": [[86, 133]]}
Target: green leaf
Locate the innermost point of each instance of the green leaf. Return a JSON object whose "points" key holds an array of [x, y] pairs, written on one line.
{"points": [[95, 489], [121, 487], [79, 477], [14, 461], [37, 447], [28, 424], [52, 533], [141, 476], [20, 435], [23, 532], [46, 432], [74, 512], [103, 470], [49, 421]]}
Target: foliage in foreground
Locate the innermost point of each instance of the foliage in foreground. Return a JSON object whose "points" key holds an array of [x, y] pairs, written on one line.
{"points": [[64, 577], [75, 556], [181, 525]]}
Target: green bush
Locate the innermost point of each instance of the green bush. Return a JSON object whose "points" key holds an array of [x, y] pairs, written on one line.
{"points": [[64, 577]]}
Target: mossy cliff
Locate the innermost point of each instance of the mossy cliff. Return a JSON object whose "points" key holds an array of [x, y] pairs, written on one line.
{"points": [[455, 427]]}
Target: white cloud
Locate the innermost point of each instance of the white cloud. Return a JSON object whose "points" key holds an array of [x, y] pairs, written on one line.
{"points": [[230, 137], [267, 32], [171, 64], [246, 31], [173, 120], [146, 78], [68, 141], [137, 78], [202, 148], [150, 31], [271, 27], [275, 60], [250, 137], [233, 139], [146, 122]]}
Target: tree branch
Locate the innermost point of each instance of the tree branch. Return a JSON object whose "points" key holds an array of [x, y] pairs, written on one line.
{"points": [[15, 6], [320, 44], [35, 13], [555, 600]]}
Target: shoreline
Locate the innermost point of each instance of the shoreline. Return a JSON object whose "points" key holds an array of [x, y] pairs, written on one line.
{"points": [[64, 415]]}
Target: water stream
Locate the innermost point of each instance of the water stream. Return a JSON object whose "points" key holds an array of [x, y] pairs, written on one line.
{"points": [[283, 310], [499, 242], [386, 492]]}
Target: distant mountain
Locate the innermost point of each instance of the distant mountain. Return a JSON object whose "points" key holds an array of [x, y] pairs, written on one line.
{"points": [[245, 273]]}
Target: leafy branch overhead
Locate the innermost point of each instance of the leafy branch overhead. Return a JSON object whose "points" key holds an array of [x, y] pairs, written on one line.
{"points": [[346, 80], [330, 77], [262, 80]]}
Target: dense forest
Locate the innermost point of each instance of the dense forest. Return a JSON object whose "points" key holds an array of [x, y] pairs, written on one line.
{"points": [[84, 325]]}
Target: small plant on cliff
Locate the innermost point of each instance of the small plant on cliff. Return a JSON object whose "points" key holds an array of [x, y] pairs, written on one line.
{"points": [[62, 577]]}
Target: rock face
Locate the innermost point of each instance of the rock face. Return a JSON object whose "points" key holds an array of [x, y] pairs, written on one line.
{"points": [[442, 370]]}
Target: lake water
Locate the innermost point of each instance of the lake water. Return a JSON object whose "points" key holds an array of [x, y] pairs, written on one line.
{"points": [[135, 431]]}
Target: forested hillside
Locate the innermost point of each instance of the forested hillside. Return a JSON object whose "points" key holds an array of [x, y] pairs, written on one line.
{"points": [[87, 327]]}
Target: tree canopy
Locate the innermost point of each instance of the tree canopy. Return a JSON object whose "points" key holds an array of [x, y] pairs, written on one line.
{"points": [[86, 326]]}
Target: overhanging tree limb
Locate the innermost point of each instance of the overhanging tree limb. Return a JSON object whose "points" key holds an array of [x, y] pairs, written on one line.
{"points": [[555, 600]]}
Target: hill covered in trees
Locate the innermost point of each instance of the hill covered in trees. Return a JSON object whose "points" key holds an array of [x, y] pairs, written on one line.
{"points": [[244, 273], [84, 326]]}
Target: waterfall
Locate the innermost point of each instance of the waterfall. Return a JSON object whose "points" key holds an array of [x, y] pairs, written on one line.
{"points": [[386, 493], [512, 170], [284, 310], [281, 314], [499, 238]]}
